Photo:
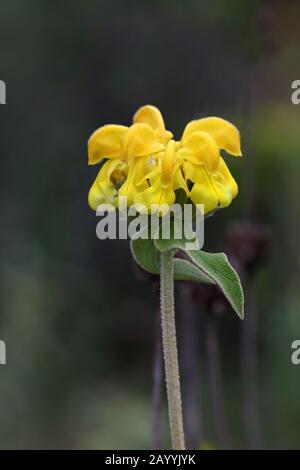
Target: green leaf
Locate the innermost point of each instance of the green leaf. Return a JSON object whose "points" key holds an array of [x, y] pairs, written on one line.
{"points": [[148, 257], [186, 271], [217, 267]]}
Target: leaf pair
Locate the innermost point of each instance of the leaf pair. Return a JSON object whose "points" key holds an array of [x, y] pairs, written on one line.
{"points": [[208, 268]]}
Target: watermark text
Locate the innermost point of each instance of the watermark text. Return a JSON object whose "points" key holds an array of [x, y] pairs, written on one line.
{"points": [[2, 92]]}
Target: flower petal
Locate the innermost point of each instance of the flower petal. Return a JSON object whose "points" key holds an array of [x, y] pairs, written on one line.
{"points": [[140, 141], [151, 115], [103, 190], [179, 181], [201, 149], [202, 191], [225, 134], [104, 193], [134, 181], [108, 168], [105, 142], [168, 163], [156, 194], [225, 185]]}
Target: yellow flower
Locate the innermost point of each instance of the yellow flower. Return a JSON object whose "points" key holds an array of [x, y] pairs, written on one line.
{"points": [[126, 153], [195, 163], [203, 166], [143, 163]]}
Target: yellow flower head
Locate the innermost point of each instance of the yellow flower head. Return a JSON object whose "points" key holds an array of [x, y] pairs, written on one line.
{"points": [[127, 154], [144, 163], [201, 143]]}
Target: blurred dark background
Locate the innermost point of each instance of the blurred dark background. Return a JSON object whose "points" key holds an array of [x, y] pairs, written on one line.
{"points": [[78, 325]]}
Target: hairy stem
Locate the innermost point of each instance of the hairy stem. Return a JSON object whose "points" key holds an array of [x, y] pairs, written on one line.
{"points": [[170, 350], [157, 384], [189, 366]]}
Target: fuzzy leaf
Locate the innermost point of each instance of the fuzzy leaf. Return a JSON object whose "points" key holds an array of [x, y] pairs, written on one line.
{"points": [[186, 271], [147, 256], [218, 268]]}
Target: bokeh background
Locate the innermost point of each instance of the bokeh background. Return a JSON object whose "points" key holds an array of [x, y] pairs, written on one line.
{"points": [[78, 323]]}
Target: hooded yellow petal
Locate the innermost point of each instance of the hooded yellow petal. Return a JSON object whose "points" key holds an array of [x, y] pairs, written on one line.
{"points": [[224, 185], [201, 149], [202, 191], [150, 115], [140, 141], [105, 142], [225, 134]]}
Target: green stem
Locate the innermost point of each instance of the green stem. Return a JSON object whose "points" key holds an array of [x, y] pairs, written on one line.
{"points": [[170, 350]]}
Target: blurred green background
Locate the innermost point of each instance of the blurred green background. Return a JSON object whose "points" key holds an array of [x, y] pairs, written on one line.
{"points": [[77, 323]]}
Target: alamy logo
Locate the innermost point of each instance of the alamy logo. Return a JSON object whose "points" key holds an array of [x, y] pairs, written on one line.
{"points": [[295, 356], [180, 222], [2, 92], [295, 97], [2, 353]]}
